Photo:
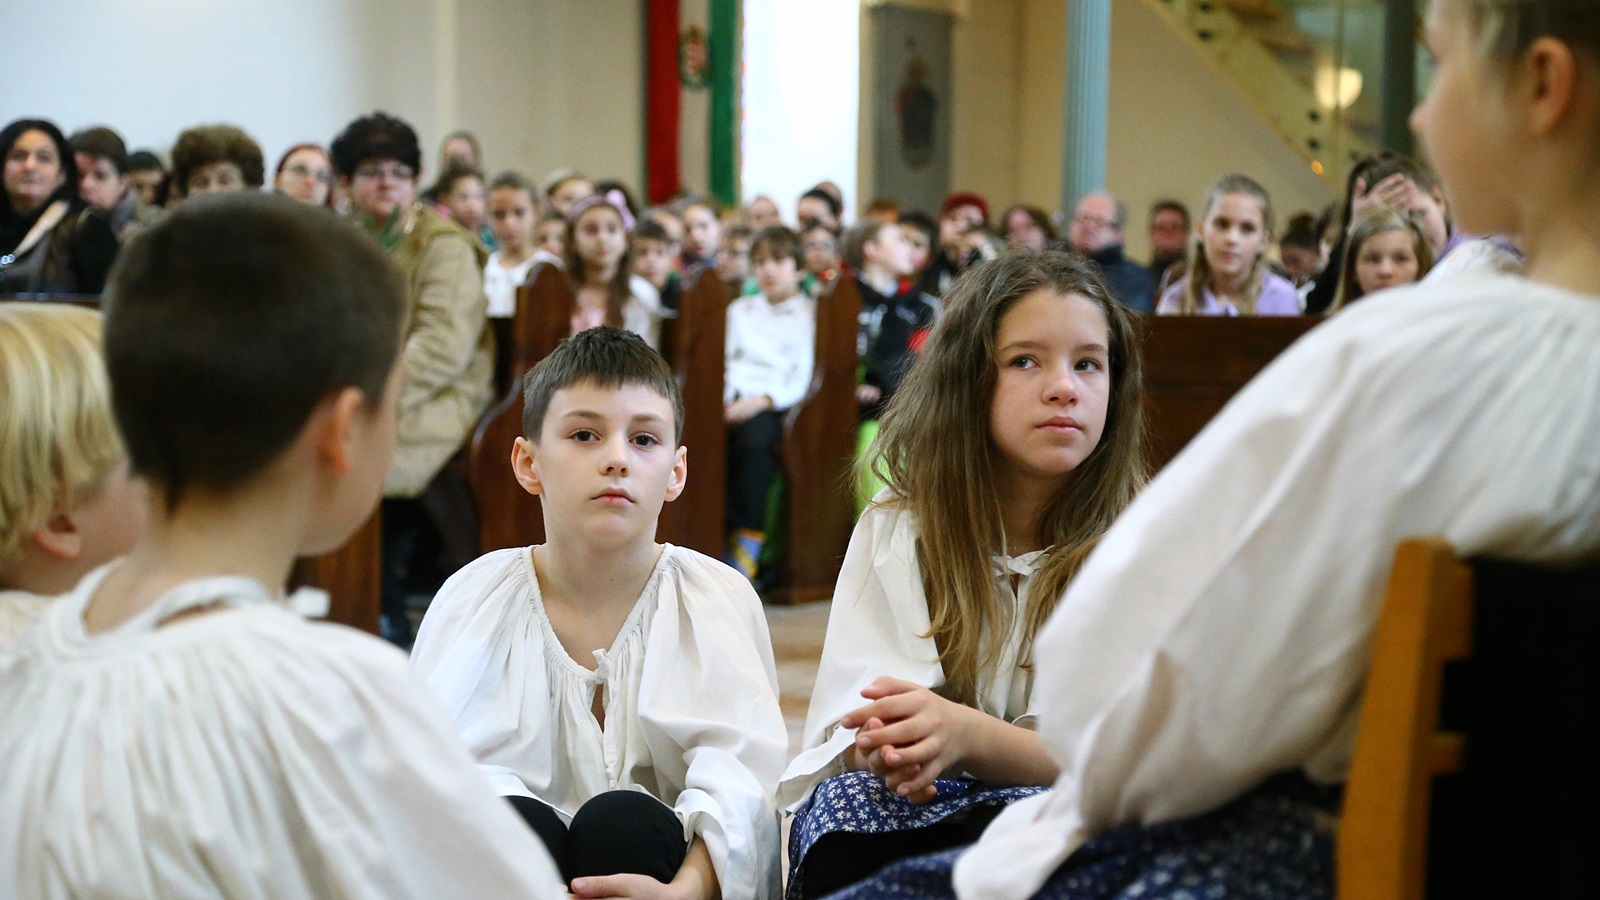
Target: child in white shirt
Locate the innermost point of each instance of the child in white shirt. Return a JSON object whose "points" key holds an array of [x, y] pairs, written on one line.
{"points": [[620, 692], [67, 501], [771, 346]]}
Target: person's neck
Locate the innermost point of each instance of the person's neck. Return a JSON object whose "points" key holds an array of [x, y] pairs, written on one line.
{"points": [[254, 533], [512, 256], [600, 278], [1228, 286], [575, 571], [40, 573], [1562, 250], [775, 298], [1022, 504], [24, 206], [880, 279]]}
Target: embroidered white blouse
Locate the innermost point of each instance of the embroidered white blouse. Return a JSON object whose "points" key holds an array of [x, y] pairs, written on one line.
{"points": [[1220, 632], [242, 753], [878, 626], [689, 688]]}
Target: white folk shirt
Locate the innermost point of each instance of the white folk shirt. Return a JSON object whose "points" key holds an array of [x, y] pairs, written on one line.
{"points": [[876, 627], [243, 753], [18, 610], [690, 697], [771, 348], [1221, 631], [500, 283]]}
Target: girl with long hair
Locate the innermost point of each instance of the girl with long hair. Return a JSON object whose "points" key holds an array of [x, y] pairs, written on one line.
{"points": [[599, 266], [1387, 249], [1009, 449], [1228, 273]]}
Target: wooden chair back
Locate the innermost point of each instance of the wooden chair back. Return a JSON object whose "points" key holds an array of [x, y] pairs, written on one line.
{"points": [[507, 515], [695, 344], [1426, 622], [818, 454]]}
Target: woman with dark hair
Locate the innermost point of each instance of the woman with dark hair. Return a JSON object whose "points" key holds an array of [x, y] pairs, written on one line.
{"points": [[214, 159], [1028, 228], [448, 353], [44, 244], [305, 173]]}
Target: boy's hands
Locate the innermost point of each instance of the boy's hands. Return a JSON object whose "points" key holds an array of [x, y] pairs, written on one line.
{"points": [[634, 887], [908, 735], [745, 408]]}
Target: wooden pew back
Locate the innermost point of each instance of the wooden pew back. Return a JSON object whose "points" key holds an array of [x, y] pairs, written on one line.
{"points": [[1195, 364], [695, 344], [818, 454], [507, 515]]}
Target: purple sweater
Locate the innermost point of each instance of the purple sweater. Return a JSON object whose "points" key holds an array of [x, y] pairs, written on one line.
{"points": [[1278, 298]]}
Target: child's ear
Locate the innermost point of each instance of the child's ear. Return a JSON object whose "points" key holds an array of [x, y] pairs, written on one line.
{"points": [[59, 536], [1550, 70], [680, 474], [335, 435], [522, 456]]}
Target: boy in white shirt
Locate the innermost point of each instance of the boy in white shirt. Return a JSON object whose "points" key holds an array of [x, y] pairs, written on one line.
{"points": [[172, 728], [771, 348], [619, 692]]}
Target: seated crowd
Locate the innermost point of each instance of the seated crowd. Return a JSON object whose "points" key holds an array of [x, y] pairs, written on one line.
{"points": [[1044, 674]]}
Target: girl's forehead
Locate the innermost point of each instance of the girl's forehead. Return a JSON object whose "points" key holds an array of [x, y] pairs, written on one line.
{"points": [[1238, 203]]}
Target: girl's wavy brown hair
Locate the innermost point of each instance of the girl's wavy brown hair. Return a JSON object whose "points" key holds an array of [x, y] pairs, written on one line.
{"points": [[937, 455]]}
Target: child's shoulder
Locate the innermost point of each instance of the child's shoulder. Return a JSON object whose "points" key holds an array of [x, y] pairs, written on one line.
{"points": [[703, 583], [489, 575]]}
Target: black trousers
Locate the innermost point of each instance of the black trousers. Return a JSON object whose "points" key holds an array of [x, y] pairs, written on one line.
{"points": [[842, 858], [752, 461], [427, 537], [618, 832]]}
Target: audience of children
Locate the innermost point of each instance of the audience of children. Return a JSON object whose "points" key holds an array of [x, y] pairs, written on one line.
{"points": [[1227, 272], [599, 267], [564, 188], [148, 176], [655, 259], [429, 520], [770, 350], [550, 234], [511, 211], [895, 315], [733, 259], [820, 244], [761, 214], [172, 727], [702, 234], [819, 207], [621, 693], [1027, 228], [1386, 249], [1011, 447], [67, 501]]}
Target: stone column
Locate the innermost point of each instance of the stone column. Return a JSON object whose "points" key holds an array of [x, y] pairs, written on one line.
{"points": [[1088, 88]]}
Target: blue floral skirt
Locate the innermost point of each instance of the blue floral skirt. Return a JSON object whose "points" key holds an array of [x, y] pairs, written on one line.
{"points": [[860, 803], [1274, 843]]}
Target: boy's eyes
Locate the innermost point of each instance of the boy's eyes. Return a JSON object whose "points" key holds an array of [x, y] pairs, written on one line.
{"points": [[589, 435]]}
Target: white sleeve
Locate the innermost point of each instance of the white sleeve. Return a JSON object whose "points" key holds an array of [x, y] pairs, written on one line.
{"points": [[708, 707], [876, 627], [391, 800], [1220, 632]]}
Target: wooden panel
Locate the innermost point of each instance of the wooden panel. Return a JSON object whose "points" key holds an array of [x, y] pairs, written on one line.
{"points": [[508, 515], [818, 452], [695, 344], [1195, 364], [352, 576]]}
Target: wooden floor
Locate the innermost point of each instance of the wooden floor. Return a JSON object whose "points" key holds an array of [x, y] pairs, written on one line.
{"points": [[797, 633]]}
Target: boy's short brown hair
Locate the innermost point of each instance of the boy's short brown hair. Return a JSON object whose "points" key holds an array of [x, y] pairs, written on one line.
{"points": [[606, 356], [230, 321], [777, 242]]}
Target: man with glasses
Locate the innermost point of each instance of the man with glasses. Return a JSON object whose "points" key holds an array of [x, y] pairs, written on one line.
{"points": [[1095, 232]]}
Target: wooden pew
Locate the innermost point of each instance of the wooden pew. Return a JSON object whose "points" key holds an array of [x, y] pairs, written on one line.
{"points": [[1195, 364], [695, 344], [509, 516], [818, 452]]}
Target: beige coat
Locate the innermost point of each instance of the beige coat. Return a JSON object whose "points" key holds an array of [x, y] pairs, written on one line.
{"points": [[448, 352]]}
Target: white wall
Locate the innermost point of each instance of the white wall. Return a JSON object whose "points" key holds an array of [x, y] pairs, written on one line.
{"points": [[544, 83]]}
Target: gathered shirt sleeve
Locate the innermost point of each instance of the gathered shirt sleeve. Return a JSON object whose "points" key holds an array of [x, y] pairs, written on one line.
{"points": [[1220, 633], [709, 716]]}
